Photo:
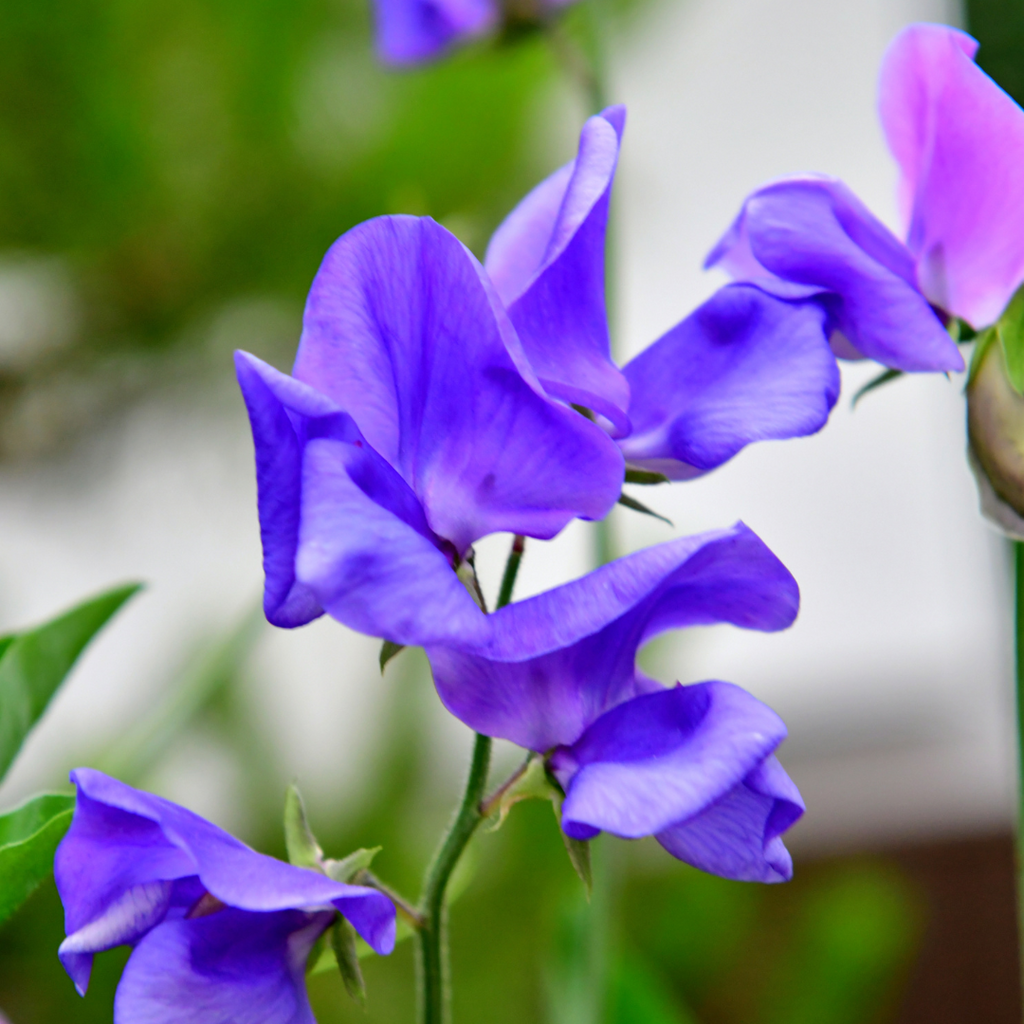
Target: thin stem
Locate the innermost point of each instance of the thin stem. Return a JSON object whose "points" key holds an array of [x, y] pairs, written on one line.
{"points": [[488, 806], [508, 581], [1018, 631]]}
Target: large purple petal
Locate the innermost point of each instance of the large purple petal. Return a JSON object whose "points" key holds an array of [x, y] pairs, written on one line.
{"points": [[547, 262], [228, 966], [404, 332], [411, 31], [813, 232], [743, 367], [663, 757], [959, 141], [586, 634], [739, 837]]}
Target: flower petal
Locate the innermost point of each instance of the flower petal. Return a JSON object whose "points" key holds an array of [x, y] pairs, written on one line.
{"points": [[547, 262], [575, 646], [228, 966], [739, 836], [743, 367], [412, 31], [404, 332], [814, 232], [959, 141], [663, 757]]}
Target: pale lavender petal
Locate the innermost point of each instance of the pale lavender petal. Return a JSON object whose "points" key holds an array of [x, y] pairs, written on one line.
{"points": [[575, 646], [662, 758], [739, 837], [547, 261], [412, 31], [404, 332], [959, 141], [813, 231], [230, 966], [743, 367]]}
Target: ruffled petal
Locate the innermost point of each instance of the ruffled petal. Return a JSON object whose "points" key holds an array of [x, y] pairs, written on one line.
{"points": [[814, 232], [228, 966], [959, 141], [575, 646], [403, 332], [547, 262], [743, 367], [412, 31], [739, 836], [663, 757]]}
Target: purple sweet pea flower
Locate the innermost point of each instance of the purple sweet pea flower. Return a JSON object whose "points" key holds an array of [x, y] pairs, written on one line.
{"points": [[691, 765], [219, 931], [959, 142], [683, 406], [413, 31], [413, 425]]}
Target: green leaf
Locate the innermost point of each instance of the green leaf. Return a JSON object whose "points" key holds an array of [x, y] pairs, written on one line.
{"points": [[303, 849], [347, 868], [579, 854], [1010, 328], [876, 382], [28, 840], [636, 506], [643, 476], [388, 650], [343, 944], [33, 664]]}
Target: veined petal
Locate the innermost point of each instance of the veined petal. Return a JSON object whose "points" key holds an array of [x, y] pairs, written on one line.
{"points": [[403, 331], [663, 757], [815, 232], [229, 966], [575, 646], [743, 367], [959, 141], [739, 837], [413, 31], [547, 261]]}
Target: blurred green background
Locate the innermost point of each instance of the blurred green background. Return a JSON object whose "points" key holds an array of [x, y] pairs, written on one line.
{"points": [[163, 159]]}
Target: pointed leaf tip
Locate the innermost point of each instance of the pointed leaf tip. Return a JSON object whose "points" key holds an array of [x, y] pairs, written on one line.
{"points": [[876, 382], [636, 506], [343, 942], [388, 650], [347, 868], [303, 849], [645, 477]]}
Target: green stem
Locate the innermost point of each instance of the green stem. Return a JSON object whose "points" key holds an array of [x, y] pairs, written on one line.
{"points": [[434, 988], [1018, 631]]}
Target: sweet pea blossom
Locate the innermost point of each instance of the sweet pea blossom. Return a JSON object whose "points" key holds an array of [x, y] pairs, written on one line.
{"points": [[959, 142], [412, 426], [219, 931], [692, 765], [746, 366]]}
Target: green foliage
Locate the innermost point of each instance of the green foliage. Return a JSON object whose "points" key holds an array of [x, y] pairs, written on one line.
{"points": [[33, 664], [299, 840], [876, 382], [343, 944], [643, 476], [1010, 331], [28, 839], [637, 506], [388, 649], [639, 996]]}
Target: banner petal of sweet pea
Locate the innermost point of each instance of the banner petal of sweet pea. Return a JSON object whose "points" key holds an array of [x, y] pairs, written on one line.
{"points": [[743, 367], [815, 232], [227, 966], [404, 332], [959, 141], [662, 758], [547, 262], [575, 646], [739, 837], [413, 31]]}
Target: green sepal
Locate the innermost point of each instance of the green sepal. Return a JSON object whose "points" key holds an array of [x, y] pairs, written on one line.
{"points": [[1010, 328], [322, 958], [636, 506], [388, 649], [33, 664], [303, 849], [347, 868], [644, 476], [876, 382], [579, 854], [533, 784], [982, 344], [343, 945], [28, 840]]}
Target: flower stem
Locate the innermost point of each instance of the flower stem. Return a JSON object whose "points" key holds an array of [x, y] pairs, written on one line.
{"points": [[434, 992], [1018, 631]]}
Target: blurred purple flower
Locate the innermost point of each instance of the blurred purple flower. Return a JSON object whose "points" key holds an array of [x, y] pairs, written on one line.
{"points": [[692, 765], [413, 31], [959, 142], [746, 366], [219, 931], [413, 425]]}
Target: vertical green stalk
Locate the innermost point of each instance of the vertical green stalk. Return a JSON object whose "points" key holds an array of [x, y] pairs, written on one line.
{"points": [[1018, 632], [434, 991]]}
